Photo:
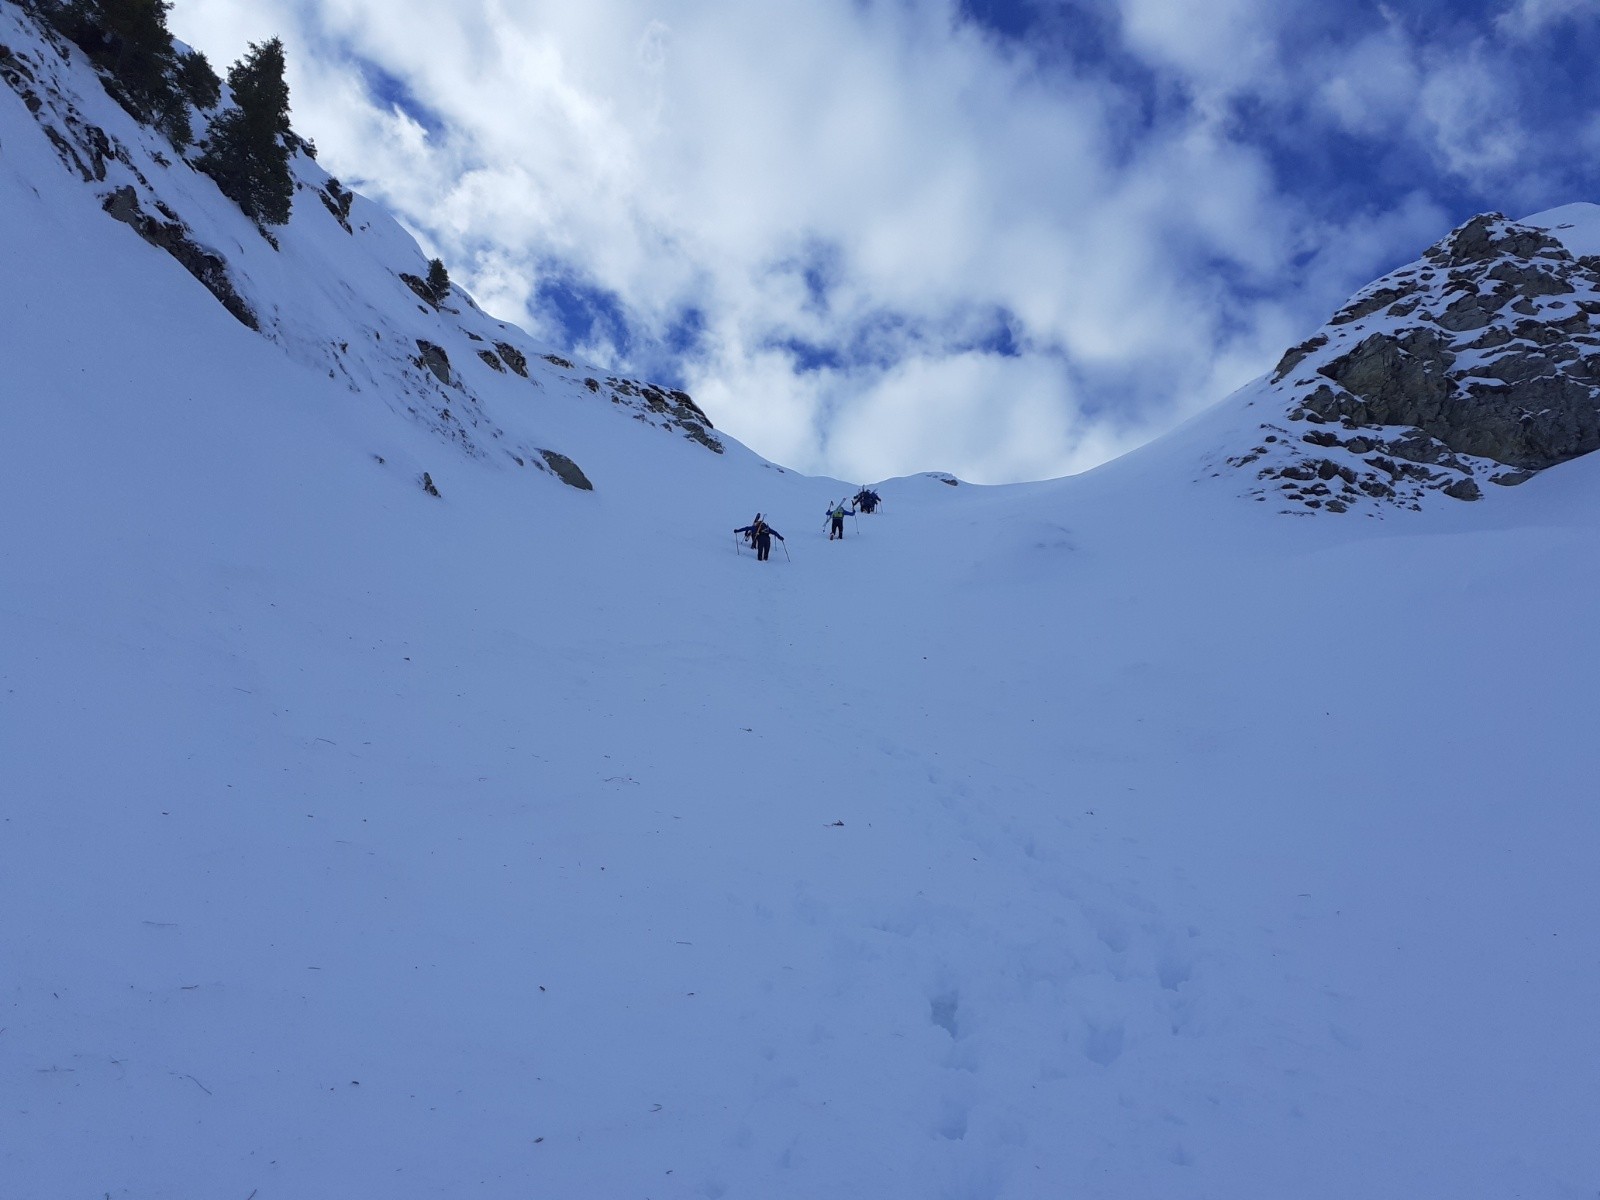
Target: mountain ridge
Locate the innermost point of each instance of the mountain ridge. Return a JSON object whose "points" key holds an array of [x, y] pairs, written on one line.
{"points": [[1478, 361], [336, 288]]}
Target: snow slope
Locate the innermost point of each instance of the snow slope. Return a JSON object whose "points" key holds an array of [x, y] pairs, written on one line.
{"points": [[1575, 226], [336, 289], [1104, 837]]}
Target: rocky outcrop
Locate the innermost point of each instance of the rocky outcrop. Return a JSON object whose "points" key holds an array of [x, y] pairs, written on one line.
{"points": [[566, 470], [513, 358], [675, 408], [1478, 362], [173, 237], [436, 360], [337, 199]]}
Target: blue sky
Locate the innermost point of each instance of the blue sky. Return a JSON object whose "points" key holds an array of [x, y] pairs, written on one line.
{"points": [[1005, 238]]}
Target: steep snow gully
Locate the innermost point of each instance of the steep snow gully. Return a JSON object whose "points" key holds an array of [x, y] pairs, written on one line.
{"points": [[1106, 837]]}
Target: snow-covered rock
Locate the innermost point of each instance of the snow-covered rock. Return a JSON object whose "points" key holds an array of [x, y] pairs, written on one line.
{"points": [[1479, 363]]}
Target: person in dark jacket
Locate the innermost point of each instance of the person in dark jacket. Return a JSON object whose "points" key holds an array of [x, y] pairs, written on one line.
{"points": [[749, 531], [760, 535], [866, 500]]}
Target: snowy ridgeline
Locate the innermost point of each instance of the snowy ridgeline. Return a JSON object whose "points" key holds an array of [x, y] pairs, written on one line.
{"points": [[1107, 837], [340, 288]]}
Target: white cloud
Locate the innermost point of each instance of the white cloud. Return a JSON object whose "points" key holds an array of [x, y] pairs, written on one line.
{"points": [[1474, 130], [1453, 102], [1219, 49], [1370, 87], [1527, 19], [708, 154]]}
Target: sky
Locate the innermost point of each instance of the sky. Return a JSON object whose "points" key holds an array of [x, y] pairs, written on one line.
{"points": [[1009, 239]]}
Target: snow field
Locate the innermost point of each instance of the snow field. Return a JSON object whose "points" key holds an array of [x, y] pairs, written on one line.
{"points": [[1105, 837]]}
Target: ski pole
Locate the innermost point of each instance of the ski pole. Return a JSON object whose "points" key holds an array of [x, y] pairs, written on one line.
{"points": [[785, 546]]}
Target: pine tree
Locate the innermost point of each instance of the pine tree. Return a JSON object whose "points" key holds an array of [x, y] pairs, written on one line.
{"points": [[247, 152], [438, 281], [130, 39], [142, 47], [198, 81]]}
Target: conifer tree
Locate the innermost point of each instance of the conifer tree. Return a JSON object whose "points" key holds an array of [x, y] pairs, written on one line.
{"points": [[141, 45], [438, 281], [198, 81], [247, 152], [130, 39]]}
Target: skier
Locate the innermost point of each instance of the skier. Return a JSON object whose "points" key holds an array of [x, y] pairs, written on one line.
{"points": [[761, 535], [866, 500], [836, 515]]}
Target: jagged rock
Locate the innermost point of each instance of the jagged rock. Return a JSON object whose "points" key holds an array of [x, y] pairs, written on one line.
{"points": [[420, 286], [1418, 448], [513, 358], [1487, 236], [697, 432], [675, 406], [171, 236], [1463, 489], [489, 357], [1492, 338], [1511, 478], [1367, 305], [1293, 356], [683, 401], [1470, 312], [434, 359], [337, 200], [427, 484], [1530, 280], [1517, 366], [1537, 332], [1535, 404], [1387, 379], [567, 470], [1532, 424]]}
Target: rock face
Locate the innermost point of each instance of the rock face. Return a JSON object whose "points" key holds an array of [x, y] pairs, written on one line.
{"points": [[566, 470], [1480, 361]]}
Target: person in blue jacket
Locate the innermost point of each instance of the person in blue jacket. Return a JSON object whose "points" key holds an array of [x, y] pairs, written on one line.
{"points": [[760, 535]]}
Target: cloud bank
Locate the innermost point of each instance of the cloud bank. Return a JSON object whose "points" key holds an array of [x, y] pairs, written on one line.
{"points": [[1009, 241]]}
